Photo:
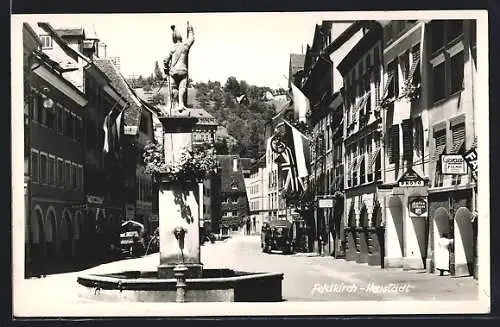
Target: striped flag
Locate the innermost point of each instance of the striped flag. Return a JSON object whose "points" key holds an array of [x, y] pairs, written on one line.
{"points": [[295, 158], [118, 125], [105, 147], [301, 103]]}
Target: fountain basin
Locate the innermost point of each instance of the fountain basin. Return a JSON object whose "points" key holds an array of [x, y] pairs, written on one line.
{"points": [[216, 285]]}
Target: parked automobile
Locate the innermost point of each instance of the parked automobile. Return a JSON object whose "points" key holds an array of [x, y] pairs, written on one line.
{"points": [[132, 241], [278, 235]]}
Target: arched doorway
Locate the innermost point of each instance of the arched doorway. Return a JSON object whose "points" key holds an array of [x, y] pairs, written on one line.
{"points": [[464, 242], [350, 234], [441, 226], [377, 237], [51, 236], [66, 236], [394, 232], [37, 242], [362, 235]]}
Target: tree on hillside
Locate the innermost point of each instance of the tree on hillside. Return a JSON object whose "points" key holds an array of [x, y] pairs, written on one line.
{"points": [[243, 87], [157, 72], [232, 86]]}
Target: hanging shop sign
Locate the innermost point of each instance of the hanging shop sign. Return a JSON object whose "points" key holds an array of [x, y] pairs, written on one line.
{"points": [[417, 206], [453, 164], [471, 159], [411, 179], [325, 203]]}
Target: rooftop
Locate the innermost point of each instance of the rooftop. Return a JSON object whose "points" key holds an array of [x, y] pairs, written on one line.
{"points": [[132, 114], [71, 32]]}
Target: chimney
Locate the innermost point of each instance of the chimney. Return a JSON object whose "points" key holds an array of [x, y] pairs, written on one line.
{"points": [[235, 164], [302, 49]]}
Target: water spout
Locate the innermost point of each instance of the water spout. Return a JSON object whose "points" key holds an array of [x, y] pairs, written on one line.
{"points": [[180, 270], [180, 233]]}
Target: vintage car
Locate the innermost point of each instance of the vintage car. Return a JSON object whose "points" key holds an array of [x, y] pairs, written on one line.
{"points": [[132, 241], [277, 235]]}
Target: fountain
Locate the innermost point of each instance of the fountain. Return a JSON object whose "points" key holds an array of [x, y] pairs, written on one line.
{"points": [[180, 276]]}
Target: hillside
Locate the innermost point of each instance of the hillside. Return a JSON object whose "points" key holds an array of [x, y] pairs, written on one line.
{"points": [[242, 110]]}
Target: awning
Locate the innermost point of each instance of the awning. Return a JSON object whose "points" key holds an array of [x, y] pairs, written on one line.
{"points": [[438, 151], [386, 86], [413, 67], [457, 146], [362, 102], [358, 161], [373, 157], [350, 165]]}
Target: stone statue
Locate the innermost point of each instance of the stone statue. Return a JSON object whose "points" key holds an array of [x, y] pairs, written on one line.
{"points": [[176, 67]]}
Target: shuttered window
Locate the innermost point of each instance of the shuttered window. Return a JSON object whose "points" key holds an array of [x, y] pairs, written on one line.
{"points": [[440, 141], [406, 126], [458, 138], [414, 75], [418, 137], [393, 148]]}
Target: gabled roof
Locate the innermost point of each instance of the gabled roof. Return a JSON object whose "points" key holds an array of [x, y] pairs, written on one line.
{"points": [[71, 32], [59, 40], [230, 178], [132, 114]]}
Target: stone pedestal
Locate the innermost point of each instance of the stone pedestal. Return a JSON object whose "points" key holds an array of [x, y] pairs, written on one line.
{"points": [[179, 205]]}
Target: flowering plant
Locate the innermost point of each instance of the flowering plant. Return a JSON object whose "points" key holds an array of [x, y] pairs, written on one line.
{"points": [[410, 91], [196, 164]]}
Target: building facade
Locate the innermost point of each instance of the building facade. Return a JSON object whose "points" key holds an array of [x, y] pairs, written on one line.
{"points": [[405, 144], [230, 206], [257, 194], [361, 69], [54, 159], [451, 67]]}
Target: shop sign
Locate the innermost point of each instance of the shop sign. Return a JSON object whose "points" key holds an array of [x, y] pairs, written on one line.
{"points": [[95, 199], [417, 206], [471, 159], [325, 203], [153, 218], [453, 164], [411, 179], [129, 211]]}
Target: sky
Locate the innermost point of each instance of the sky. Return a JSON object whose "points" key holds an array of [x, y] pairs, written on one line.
{"points": [[254, 47]]}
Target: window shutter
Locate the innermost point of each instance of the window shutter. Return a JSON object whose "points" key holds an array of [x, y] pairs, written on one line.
{"points": [[440, 139], [394, 152], [407, 140], [458, 137]]}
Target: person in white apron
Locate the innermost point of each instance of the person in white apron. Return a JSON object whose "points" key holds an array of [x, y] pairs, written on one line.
{"points": [[442, 254]]}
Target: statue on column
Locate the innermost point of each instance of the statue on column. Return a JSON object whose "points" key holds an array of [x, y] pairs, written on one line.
{"points": [[176, 68]]}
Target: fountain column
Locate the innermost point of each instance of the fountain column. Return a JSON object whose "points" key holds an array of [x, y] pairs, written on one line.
{"points": [[179, 203]]}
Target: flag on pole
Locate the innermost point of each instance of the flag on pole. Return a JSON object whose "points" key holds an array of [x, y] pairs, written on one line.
{"points": [[294, 160], [301, 103], [118, 125]]}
